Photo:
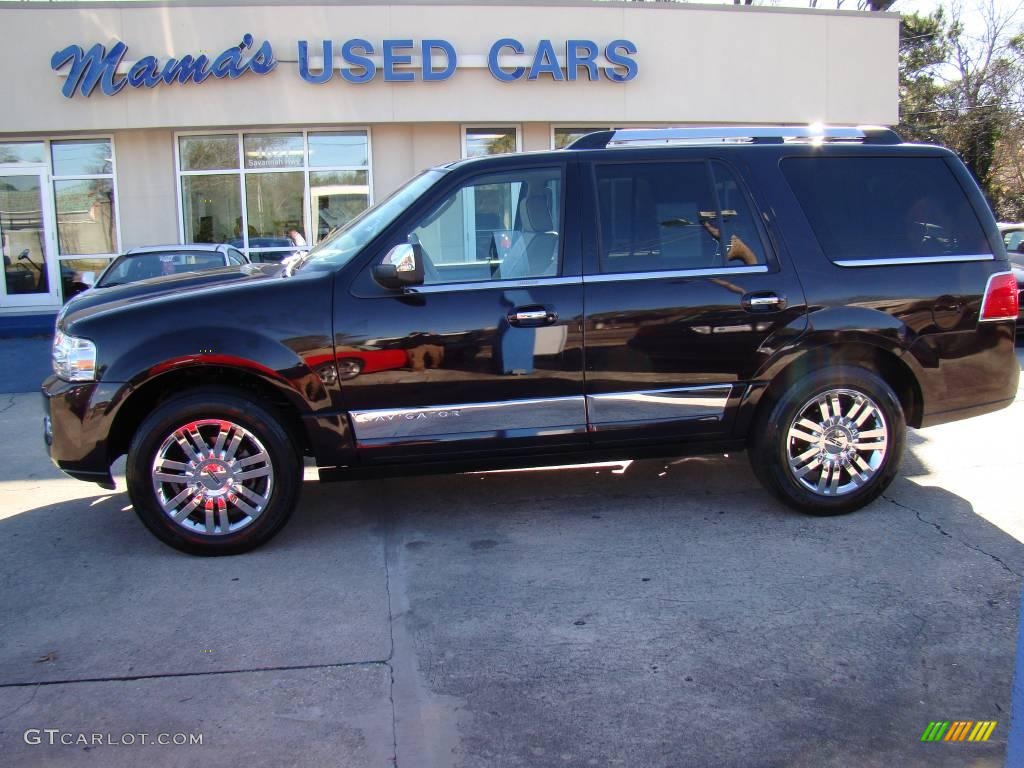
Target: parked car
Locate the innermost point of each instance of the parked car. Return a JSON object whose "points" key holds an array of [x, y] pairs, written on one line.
{"points": [[803, 295], [132, 273], [1013, 239]]}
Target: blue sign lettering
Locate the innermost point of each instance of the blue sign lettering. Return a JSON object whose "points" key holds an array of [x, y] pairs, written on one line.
{"points": [[451, 58], [98, 67]]}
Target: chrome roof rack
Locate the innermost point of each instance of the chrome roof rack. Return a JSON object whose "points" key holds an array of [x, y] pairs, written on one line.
{"points": [[736, 134]]}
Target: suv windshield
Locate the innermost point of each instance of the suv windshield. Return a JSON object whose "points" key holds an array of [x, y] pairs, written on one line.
{"points": [[337, 249]]}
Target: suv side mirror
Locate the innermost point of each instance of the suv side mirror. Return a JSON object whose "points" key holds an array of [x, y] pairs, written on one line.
{"points": [[401, 268]]}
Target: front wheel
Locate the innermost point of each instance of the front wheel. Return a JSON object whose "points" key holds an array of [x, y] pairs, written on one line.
{"points": [[213, 473], [831, 443]]}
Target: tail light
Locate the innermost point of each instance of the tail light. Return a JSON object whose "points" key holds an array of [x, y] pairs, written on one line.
{"points": [[1001, 301]]}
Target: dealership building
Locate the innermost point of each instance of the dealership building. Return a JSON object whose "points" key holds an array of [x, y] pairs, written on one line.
{"points": [[268, 124]]}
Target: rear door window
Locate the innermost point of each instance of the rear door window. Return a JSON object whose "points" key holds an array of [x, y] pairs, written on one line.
{"points": [[673, 216], [864, 208]]}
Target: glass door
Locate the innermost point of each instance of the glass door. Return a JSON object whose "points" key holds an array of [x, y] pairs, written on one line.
{"points": [[30, 278]]}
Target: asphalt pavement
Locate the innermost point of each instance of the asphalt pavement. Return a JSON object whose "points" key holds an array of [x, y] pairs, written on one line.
{"points": [[644, 614]]}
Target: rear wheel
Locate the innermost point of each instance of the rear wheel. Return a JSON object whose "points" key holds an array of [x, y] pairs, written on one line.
{"points": [[831, 443], [213, 473]]}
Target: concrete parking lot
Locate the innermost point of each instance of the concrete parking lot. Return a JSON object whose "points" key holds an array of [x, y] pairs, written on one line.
{"points": [[647, 614]]}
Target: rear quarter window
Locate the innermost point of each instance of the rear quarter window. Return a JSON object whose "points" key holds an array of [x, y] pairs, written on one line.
{"points": [[863, 208]]}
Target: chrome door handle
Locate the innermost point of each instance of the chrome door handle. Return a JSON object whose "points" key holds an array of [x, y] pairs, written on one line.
{"points": [[763, 302], [532, 317]]}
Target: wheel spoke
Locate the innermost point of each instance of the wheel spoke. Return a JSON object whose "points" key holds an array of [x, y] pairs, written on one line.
{"points": [[797, 434], [251, 495], [877, 446], [805, 456], [222, 436], [808, 468], [222, 515], [867, 413], [836, 410], [251, 473], [250, 511], [872, 433], [232, 449], [858, 403], [187, 447], [823, 478], [164, 477], [172, 504], [815, 429], [168, 464], [823, 407], [186, 510], [254, 459]]}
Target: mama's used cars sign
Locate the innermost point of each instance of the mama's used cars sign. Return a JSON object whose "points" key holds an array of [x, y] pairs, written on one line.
{"points": [[354, 61]]}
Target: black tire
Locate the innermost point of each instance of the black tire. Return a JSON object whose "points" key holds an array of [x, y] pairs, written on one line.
{"points": [[285, 480], [770, 445]]}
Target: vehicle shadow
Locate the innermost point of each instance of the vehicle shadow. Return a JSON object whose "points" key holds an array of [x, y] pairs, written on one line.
{"points": [[585, 611]]}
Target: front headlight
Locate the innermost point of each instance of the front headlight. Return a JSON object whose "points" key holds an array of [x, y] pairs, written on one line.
{"points": [[74, 359]]}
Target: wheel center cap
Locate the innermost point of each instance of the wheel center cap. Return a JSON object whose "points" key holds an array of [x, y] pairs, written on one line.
{"points": [[213, 475], [836, 440]]}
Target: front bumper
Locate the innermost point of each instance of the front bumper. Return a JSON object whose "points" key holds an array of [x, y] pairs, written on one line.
{"points": [[76, 423]]}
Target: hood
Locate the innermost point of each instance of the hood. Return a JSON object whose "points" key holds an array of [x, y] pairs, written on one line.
{"points": [[95, 300]]}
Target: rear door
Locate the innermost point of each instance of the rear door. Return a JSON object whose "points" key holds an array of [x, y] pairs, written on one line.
{"points": [[486, 356], [685, 298]]}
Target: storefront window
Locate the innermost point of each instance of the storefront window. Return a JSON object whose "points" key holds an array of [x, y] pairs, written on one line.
{"points": [[338, 149], [85, 216], [78, 274], [482, 141], [297, 187], [22, 152], [273, 150], [335, 198], [209, 153], [564, 136], [212, 208], [86, 201], [273, 202]]}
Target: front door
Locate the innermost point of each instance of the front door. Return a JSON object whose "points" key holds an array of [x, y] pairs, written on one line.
{"points": [[30, 278], [485, 356], [684, 300]]}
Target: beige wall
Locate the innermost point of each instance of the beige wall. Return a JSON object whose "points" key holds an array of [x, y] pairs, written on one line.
{"points": [[696, 64], [146, 187]]}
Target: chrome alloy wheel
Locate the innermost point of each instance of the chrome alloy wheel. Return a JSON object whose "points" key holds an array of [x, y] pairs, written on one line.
{"points": [[837, 442], [212, 476]]}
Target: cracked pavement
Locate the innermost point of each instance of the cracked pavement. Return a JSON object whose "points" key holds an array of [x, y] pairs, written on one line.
{"points": [[651, 614]]}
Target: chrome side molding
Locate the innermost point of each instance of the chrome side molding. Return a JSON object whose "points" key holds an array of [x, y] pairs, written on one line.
{"points": [[407, 424], [658, 405], [898, 261]]}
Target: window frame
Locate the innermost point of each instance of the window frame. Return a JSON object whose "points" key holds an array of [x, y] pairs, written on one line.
{"points": [[241, 171], [465, 128], [558, 278], [594, 271], [52, 178]]}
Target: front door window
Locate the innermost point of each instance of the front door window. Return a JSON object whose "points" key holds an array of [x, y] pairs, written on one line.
{"points": [[27, 269]]}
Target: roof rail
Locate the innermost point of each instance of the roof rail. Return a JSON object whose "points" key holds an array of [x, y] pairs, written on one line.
{"points": [[736, 134]]}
